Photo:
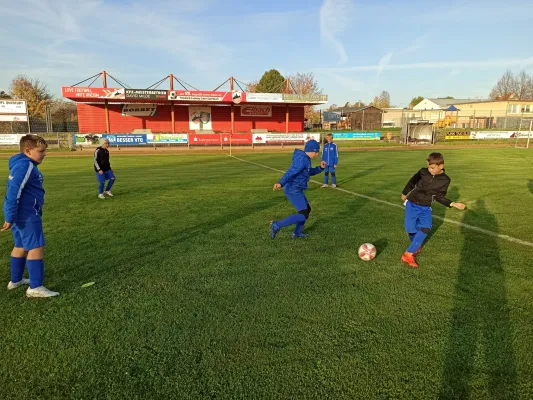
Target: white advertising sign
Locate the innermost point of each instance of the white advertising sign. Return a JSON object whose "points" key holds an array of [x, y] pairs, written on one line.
{"points": [[12, 106]]}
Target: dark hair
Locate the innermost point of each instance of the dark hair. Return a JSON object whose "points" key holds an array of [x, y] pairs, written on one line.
{"points": [[29, 142], [435, 158], [330, 134]]}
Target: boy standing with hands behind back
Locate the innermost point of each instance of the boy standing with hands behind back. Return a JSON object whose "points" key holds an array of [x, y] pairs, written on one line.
{"points": [[330, 155]]}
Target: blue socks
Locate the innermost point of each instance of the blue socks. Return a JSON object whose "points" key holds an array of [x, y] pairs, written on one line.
{"points": [[36, 272], [333, 179], [109, 184], [299, 228], [326, 178], [411, 236], [17, 268], [291, 220], [417, 242], [100, 186]]}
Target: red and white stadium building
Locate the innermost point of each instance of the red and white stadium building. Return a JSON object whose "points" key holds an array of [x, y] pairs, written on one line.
{"points": [[122, 110]]}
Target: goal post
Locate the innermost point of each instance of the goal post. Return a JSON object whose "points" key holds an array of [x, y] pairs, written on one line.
{"points": [[523, 136]]}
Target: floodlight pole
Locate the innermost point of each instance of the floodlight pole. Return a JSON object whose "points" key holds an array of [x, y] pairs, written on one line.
{"points": [[172, 101]]}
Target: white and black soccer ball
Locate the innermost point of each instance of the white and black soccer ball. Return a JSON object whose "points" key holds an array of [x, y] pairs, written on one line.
{"points": [[172, 95], [367, 251]]}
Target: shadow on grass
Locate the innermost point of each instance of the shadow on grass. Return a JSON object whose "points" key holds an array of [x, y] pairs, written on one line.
{"points": [[530, 185], [153, 245], [359, 174], [453, 195], [479, 347]]}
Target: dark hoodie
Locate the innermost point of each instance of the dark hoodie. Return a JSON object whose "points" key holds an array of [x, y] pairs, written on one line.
{"points": [[424, 188]]}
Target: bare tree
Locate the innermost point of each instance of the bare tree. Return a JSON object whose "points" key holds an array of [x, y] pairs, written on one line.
{"points": [[305, 83], [251, 87], [62, 110], [382, 101], [507, 87], [524, 85]]}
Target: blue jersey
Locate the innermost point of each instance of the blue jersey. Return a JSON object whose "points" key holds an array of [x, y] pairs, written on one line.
{"points": [[297, 176], [25, 193], [330, 154]]}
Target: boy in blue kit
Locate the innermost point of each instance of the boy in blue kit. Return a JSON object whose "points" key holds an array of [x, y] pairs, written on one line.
{"points": [[331, 156], [427, 185], [103, 170], [294, 182], [23, 215]]}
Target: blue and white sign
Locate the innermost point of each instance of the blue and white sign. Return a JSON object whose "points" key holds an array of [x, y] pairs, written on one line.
{"points": [[357, 135], [126, 139]]}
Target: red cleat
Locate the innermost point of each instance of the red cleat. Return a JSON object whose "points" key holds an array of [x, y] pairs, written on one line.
{"points": [[409, 259]]}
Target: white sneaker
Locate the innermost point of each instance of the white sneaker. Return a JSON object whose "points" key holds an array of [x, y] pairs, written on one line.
{"points": [[40, 291], [324, 185], [14, 285], [333, 186], [108, 193], [101, 196]]}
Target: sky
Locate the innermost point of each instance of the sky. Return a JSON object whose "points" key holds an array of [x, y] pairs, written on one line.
{"points": [[354, 48]]}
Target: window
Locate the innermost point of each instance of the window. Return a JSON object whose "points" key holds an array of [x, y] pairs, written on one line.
{"points": [[513, 109], [526, 108]]}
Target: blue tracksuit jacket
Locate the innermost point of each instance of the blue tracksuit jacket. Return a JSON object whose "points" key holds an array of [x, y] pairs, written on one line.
{"points": [[25, 193], [297, 176], [330, 154]]}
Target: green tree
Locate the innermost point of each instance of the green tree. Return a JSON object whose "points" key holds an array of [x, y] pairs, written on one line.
{"points": [[415, 101], [271, 82]]}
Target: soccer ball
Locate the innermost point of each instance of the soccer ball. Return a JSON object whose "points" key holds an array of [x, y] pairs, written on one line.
{"points": [[367, 251]]}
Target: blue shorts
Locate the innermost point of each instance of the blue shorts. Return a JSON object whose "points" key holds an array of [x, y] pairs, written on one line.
{"points": [[28, 235], [329, 168], [417, 217], [105, 176], [298, 200]]}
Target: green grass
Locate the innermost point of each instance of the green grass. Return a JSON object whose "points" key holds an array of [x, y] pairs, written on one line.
{"points": [[194, 300]]}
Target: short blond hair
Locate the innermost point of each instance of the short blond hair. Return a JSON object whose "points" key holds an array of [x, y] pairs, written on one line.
{"points": [[29, 142]]}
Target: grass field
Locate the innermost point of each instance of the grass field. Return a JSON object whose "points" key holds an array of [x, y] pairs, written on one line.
{"points": [[193, 299]]}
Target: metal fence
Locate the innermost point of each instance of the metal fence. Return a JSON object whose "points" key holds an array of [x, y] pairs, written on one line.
{"points": [[461, 119], [38, 125]]}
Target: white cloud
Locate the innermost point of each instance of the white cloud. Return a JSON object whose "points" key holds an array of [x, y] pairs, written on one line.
{"points": [[335, 17], [434, 65], [382, 64], [56, 38]]}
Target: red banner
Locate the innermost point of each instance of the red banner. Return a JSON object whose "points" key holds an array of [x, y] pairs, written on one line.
{"points": [[204, 138], [74, 92], [237, 138], [219, 138], [206, 96]]}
